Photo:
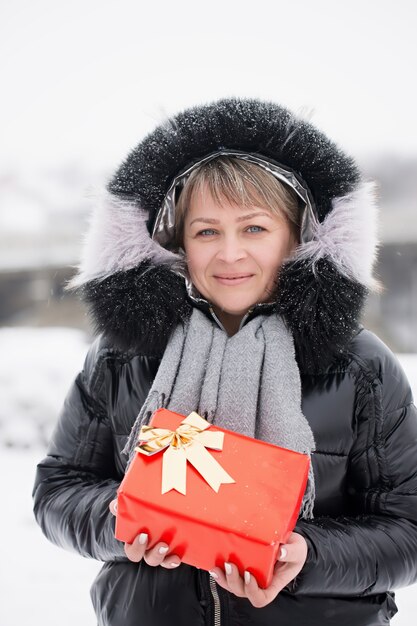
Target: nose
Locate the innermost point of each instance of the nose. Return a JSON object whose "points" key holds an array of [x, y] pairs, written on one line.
{"points": [[231, 250]]}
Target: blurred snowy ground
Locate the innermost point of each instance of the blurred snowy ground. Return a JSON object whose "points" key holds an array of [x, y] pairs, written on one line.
{"points": [[39, 582]]}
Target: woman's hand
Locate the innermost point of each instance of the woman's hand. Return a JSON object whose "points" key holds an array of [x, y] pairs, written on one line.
{"points": [[292, 558], [136, 551]]}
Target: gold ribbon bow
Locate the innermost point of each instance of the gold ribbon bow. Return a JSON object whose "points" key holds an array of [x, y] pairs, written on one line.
{"points": [[187, 443]]}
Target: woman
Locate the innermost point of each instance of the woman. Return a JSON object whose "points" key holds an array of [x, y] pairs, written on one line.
{"points": [[228, 263]]}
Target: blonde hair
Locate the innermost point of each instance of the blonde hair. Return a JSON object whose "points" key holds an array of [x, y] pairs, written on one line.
{"points": [[242, 183]]}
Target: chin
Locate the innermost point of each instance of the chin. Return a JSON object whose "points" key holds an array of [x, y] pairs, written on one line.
{"points": [[233, 311]]}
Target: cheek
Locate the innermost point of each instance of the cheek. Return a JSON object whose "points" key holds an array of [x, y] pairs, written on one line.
{"points": [[272, 262], [196, 260]]}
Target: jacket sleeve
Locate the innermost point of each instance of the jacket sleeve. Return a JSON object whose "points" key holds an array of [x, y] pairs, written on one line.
{"points": [[374, 550], [76, 481]]}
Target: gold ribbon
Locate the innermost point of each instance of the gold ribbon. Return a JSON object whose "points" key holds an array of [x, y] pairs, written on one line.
{"points": [[187, 443]]}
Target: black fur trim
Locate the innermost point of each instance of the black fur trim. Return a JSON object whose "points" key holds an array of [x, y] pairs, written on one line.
{"points": [[322, 308], [251, 125], [138, 309]]}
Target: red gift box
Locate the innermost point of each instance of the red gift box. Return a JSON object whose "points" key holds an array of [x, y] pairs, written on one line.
{"points": [[244, 522]]}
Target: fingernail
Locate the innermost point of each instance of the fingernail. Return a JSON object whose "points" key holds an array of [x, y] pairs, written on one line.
{"points": [[227, 568], [283, 553], [115, 506], [163, 550], [174, 564], [213, 574], [143, 538], [247, 578]]}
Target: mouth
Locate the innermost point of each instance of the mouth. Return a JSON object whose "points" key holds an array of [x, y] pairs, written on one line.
{"points": [[230, 279]]}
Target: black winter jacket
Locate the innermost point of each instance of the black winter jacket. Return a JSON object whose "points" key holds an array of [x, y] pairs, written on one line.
{"points": [[362, 542]]}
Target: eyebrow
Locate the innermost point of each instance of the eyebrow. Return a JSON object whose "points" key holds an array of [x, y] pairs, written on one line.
{"points": [[243, 218]]}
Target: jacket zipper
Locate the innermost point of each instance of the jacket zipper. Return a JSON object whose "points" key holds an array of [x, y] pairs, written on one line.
{"points": [[216, 600]]}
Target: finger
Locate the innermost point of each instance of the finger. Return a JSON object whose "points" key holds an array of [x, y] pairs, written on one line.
{"points": [[136, 550], [257, 597], [261, 597], [113, 507], [252, 591], [219, 576], [224, 579], [284, 573], [234, 580], [156, 555], [171, 561], [294, 551]]}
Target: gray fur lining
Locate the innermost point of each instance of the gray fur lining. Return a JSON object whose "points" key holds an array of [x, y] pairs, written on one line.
{"points": [[117, 240]]}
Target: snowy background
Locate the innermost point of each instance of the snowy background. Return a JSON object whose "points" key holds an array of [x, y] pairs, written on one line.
{"points": [[82, 82]]}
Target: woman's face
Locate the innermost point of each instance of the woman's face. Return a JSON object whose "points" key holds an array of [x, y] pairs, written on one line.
{"points": [[234, 253]]}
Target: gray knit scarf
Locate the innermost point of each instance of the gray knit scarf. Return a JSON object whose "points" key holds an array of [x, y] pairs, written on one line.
{"points": [[248, 383]]}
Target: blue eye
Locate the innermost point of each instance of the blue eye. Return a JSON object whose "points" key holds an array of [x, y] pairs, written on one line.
{"points": [[260, 228], [207, 230]]}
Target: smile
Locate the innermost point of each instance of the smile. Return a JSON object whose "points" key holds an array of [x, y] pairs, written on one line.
{"points": [[234, 280]]}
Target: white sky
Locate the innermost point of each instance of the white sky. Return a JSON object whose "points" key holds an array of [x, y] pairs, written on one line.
{"points": [[85, 80]]}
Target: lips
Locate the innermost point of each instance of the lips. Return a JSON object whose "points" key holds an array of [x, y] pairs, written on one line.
{"points": [[232, 280], [232, 276]]}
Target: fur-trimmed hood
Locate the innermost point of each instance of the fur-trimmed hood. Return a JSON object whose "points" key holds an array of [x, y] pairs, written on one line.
{"points": [[134, 286]]}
